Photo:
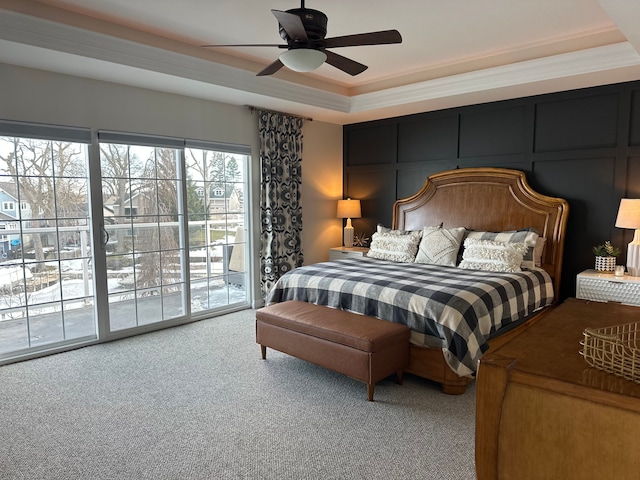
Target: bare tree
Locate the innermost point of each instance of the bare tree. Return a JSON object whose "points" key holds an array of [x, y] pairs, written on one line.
{"points": [[160, 189], [114, 162], [49, 178]]}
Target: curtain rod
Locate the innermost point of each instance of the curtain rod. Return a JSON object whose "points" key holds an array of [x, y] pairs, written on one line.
{"points": [[252, 109]]}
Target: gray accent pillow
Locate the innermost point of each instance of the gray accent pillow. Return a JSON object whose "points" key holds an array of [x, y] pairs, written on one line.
{"points": [[538, 250], [439, 246], [382, 229]]}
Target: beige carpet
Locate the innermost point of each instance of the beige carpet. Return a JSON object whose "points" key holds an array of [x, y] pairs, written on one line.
{"points": [[197, 402]]}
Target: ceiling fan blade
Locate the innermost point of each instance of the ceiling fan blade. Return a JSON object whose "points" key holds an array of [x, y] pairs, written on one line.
{"points": [[292, 24], [270, 69], [247, 45], [345, 64], [373, 38]]}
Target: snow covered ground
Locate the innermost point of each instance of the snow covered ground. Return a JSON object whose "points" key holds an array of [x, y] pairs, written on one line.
{"points": [[76, 293], [10, 274]]}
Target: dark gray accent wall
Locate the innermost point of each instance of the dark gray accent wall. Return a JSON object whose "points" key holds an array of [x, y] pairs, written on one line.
{"points": [[582, 145]]}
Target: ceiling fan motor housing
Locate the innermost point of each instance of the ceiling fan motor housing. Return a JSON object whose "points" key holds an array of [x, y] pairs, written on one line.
{"points": [[314, 21]]}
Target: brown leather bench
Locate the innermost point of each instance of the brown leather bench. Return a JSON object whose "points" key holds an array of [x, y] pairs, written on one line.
{"points": [[365, 348]]}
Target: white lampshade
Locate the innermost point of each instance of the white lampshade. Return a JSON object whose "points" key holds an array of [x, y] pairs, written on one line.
{"points": [[303, 59], [348, 209], [629, 213], [629, 217]]}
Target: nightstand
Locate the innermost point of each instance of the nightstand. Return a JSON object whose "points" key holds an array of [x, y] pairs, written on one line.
{"points": [[336, 253], [606, 287]]}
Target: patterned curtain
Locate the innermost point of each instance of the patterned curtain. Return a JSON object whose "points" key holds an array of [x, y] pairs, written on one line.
{"points": [[280, 205]]}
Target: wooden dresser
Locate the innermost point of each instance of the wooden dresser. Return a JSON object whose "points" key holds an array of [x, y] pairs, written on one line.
{"points": [[543, 413]]}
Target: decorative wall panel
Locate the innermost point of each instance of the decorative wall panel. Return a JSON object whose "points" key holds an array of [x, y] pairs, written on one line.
{"points": [[371, 146], [428, 138], [496, 131], [582, 145], [411, 180], [634, 130], [592, 207], [578, 123], [376, 191]]}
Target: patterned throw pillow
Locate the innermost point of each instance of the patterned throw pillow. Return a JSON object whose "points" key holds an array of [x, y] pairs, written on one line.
{"points": [[439, 246], [526, 236], [394, 245], [382, 229], [492, 256]]}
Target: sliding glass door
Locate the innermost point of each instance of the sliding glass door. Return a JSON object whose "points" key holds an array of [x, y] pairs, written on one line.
{"points": [[46, 287], [175, 241], [172, 246], [217, 223], [143, 221]]}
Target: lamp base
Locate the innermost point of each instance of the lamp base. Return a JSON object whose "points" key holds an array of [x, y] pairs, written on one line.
{"points": [[348, 236], [633, 256]]}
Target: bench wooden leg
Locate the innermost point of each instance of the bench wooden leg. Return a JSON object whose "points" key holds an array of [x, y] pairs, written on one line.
{"points": [[263, 349], [399, 377], [370, 388]]}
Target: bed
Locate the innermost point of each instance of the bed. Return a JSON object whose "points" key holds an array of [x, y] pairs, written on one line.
{"points": [[455, 314]]}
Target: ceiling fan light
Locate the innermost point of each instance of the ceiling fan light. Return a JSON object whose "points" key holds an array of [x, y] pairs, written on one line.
{"points": [[303, 59]]}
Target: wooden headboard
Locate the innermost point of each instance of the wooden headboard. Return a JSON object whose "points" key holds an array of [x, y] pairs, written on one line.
{"points": [[491, 199]]}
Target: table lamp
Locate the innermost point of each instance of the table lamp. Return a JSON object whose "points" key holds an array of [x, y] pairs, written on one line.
{"points": [[348, 209], [629, 217]]}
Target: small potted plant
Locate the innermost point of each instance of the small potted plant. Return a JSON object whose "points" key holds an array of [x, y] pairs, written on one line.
{"points": [[606, 256]]}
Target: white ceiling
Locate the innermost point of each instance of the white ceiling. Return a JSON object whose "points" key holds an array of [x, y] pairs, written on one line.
{"points": [[454, 52]]}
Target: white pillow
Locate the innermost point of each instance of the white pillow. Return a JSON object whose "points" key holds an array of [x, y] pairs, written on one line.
{"points": [[439, 246], [526, 236], [492, 256], [394, 245]]}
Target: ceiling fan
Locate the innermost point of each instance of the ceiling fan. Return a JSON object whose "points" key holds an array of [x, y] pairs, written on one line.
{"points": [[304, 30]]}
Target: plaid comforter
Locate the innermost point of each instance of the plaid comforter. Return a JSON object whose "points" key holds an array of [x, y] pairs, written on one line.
{"points": [[445, 307]]}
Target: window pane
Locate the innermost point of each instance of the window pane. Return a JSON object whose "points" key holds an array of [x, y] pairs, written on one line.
{"points": [[80, 318], [148, 229], [216, 185], [172, 305], [122, 311], [145, 234], [142, 162], [114, 161], [14, 331], [72, 198], [46, 324], [69, 159], [46, 243]]}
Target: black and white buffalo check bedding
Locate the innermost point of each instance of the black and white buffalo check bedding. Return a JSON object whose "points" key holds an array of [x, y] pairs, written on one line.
{"points": [[445, 307]]}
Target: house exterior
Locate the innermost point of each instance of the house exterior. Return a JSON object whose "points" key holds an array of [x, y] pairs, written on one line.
{"points": [[8, 239], [222, 198], [10, 211]]}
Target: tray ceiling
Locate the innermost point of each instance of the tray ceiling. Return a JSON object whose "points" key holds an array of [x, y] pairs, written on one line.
{"points": [[453, 53]]}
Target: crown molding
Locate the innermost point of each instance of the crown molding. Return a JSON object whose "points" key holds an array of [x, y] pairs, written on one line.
{"points": [[593, 60]]}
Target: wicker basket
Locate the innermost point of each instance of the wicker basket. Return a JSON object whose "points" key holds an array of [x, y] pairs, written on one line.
{"points": [[614, 350]]}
